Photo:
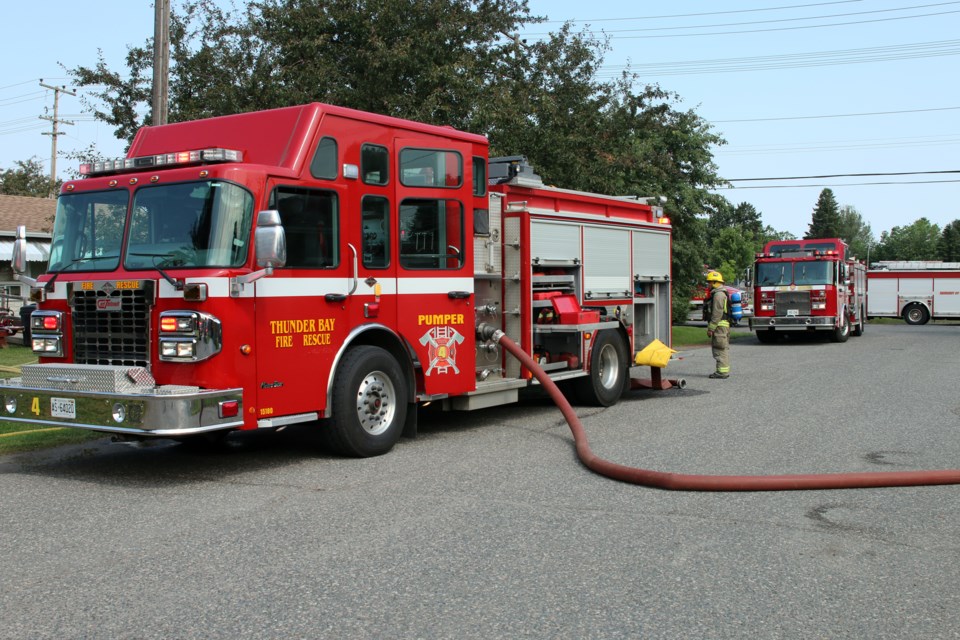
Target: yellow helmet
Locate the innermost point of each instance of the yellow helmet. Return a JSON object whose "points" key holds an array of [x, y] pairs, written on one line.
{"points": [[714, 276]]}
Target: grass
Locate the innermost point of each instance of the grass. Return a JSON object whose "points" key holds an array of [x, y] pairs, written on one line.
{"points": [[15, 437], [684, 336]]}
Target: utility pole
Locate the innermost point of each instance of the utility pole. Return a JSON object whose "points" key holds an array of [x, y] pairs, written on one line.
{"points": [[161, 59], [55, 121]]}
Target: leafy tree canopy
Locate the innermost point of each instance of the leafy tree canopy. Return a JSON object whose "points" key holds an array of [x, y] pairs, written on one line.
{"points": [[915, 242], [855, 232], [27, 179], [448, 62], [948, 246]]}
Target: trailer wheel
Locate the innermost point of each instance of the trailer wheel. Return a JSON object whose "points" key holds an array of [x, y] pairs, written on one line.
{"points": [[608, 371], [841, 333], [916, 313], [369, 404]]}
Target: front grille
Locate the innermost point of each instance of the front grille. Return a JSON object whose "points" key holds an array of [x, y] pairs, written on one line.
{"points": [[112, 326], [793, 303]]}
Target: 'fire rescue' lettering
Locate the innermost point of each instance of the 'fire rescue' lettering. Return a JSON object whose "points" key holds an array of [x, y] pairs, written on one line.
{"points": [[314, 332], [440, 318]]}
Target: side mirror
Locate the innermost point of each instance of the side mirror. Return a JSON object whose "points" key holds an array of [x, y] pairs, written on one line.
{"points": [[270, 240], [19, 259]]}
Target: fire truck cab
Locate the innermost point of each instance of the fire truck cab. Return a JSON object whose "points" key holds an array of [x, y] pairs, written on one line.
{"points": [[808, 285], [321, 264]]}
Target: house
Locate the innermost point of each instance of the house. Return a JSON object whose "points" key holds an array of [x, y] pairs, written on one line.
{"points": [[36, 214]]}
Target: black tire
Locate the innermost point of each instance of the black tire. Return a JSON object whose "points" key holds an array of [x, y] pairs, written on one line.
{"points": [[766, 336], [842, 333], [369, 404], [607, 379], [916, 313], [861, 324]]}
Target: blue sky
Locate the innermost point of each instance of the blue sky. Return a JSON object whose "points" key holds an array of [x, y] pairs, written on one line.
{"points": [[797, 88]]}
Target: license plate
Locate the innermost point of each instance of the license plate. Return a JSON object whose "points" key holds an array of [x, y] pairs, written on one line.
{"points": [[793, 312], [63, 408]]}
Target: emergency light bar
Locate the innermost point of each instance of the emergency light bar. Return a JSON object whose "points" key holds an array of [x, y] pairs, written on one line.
{"points": [[195, 156]]}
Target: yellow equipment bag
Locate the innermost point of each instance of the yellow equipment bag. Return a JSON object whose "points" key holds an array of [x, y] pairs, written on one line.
{"points": [[655, 354]]}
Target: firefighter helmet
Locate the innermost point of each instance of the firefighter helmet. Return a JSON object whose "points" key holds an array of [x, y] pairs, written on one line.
{"points": [[714, 276]]}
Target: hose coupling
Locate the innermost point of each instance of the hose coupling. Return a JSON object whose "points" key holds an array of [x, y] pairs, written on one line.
{"points": [[489, 332]]}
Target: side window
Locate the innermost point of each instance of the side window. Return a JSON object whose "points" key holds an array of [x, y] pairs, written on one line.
{"points": [[310, 219], [374, 164], [431, 234], [431, 168], [324, 164], [479, 176], [375, 212]]}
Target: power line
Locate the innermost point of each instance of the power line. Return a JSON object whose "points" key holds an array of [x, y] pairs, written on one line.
{"points": [[842, 184], [849, 175], [836, 115], [908, 51], [706, 13]]}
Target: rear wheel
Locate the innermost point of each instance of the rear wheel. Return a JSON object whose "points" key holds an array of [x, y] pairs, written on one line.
{"points": [[861, 324], [608, 371], [369, 403], [916, 313]]}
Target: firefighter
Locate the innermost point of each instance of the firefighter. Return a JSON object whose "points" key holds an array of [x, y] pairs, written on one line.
{"points": [[718, 324]]}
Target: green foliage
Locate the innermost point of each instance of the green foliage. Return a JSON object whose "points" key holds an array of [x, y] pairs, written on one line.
{"points": [[733, 249], [855, 232], [447, 62], [948, 246], [919, 241], [28, 179], [825, 222]]}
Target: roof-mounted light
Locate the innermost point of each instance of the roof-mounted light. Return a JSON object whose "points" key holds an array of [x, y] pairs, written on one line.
{"points": [[177, 158]]}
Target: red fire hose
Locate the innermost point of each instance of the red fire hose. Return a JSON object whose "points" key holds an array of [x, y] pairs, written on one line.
{"points": [[689, 482]]}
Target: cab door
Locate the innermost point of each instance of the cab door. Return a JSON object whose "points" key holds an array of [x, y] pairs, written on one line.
{"points": [[301, 311], [435, 275]]}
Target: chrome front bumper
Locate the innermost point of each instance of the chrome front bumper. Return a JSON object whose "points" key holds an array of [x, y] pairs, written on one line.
{"points": [[115, 400], [793, 323]]}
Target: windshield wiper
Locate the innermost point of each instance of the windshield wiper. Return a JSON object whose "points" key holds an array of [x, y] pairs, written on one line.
{"points": [[177, 285], [48, 285]]}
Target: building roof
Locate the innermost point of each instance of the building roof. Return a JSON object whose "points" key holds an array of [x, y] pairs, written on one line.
{"points": [[34, 213]]}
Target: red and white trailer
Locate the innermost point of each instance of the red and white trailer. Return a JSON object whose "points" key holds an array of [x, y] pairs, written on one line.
{"points": [[286, 266], [916, 291]]}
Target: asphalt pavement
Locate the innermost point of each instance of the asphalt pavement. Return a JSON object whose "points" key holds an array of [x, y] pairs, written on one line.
{"points": [[487, 526]]}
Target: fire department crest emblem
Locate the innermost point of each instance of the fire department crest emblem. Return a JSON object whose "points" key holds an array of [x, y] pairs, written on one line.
{"points": [[441, 343]]}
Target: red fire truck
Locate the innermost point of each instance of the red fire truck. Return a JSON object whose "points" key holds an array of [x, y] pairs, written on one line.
{"points": [[808, 285], [915, 290], [316, 263]]}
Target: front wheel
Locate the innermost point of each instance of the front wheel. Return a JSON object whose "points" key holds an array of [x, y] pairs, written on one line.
{"points": [[841, 333], [608, 371], [916, 314], [369, 403]]}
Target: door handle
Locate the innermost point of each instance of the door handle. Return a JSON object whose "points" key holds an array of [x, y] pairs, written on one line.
{"points": [[458, 295]]}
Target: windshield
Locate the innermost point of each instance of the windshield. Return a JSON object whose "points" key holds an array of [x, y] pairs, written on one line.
{"points": [[195, 224], [805, 272], [87, 231]]}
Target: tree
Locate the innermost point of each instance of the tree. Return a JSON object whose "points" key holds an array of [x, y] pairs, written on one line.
{"points": [[855, 232], [915, 242], [28, 179], [825, 222], [948, 246], [735, 249], [446, 62]]}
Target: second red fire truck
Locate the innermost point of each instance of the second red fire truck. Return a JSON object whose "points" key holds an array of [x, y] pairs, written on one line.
{"points": [[316, 264], [808, 285]]}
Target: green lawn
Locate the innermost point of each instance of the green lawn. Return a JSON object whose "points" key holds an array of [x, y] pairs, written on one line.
{"points": [[684, 336]]}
